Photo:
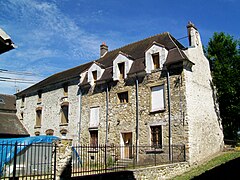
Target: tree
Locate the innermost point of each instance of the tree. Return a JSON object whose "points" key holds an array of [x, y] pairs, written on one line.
{"points": [[224, 55]]}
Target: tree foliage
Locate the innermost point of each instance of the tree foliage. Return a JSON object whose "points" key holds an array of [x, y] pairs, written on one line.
{"points": [[224, 55]]}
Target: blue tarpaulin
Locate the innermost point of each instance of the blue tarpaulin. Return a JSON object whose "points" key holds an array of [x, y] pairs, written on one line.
{"points": [[7, 147]]}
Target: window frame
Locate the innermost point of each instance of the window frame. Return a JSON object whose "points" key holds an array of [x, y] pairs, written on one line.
{"points": [[162, 86], [156, 60], [38, 122], [64, 115], [93, 140], [156, 139], [121, 68]]}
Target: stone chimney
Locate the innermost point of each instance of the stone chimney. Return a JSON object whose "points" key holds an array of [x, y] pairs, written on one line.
{"points": [[193, 35], [103, 49]]}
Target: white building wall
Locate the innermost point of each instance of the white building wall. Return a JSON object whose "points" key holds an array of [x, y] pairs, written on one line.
{"points": [[51, 112], [205, 129]]}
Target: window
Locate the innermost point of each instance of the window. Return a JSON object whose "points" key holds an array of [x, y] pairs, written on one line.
{"points": [[49, 132], [156, 136], [93, 138], [2, 101], [123, 97], [65, 90], [155, 58], [94, 117], [21, 116], [38, 117], [94, 74], [121, 68], [23, 101], [39, 96], [64, 114], [157, 98]]}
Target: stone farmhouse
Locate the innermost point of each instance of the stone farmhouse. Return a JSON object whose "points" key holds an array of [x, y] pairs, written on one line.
{"points": [[153, 92]]}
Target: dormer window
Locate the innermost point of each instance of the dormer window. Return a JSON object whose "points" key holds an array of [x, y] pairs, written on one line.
{"points": [[121, 67], [155, 58], [94, 73]]}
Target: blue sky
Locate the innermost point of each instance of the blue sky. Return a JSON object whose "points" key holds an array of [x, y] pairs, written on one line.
{"points": [[55, 35]]}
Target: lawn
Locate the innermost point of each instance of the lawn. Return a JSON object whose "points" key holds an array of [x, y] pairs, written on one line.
{"points": [[220, 159]]}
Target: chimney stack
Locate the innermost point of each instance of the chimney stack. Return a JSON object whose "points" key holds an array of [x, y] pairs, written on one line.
{"points": [[103, 49]]}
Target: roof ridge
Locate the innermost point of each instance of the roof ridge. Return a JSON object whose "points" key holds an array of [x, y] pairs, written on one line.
{"points": [[175, 45], [137, 42]]}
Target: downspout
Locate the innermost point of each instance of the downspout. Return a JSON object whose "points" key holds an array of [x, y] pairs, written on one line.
{"points": [[169, 117], [80, 114], [106, 139], [137, 118]]}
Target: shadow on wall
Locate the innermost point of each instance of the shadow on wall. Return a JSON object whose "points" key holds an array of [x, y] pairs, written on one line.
{"points": [[122, 175]]}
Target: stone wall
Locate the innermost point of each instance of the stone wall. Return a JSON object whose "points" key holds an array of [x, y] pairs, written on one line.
{"points": [[161, 172]]}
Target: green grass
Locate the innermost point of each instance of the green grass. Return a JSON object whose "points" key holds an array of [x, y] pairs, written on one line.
{"points": [[222, 158]]}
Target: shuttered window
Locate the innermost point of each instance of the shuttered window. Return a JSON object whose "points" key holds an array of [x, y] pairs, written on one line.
{"points": [[94, 117], [157, 98]]}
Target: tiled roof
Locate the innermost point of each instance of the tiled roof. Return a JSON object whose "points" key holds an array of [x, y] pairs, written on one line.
{"points": [[134, 50], [7, 102], [11, 125]]}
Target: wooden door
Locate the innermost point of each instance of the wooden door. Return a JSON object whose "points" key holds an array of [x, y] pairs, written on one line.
{"points": [[127, 139]]}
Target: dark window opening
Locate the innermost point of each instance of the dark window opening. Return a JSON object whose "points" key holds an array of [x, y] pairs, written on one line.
{"points": [[65, 90], [38, 118], [64, 117], [39, 96], [155, 58], [94, 74], [156, 136], [123, 97], [121, 68]]}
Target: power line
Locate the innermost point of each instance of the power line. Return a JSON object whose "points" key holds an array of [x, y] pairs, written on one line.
{"points": [[25, 82], [18, 72]]}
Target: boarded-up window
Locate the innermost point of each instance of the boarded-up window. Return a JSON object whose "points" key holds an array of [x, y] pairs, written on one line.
{"points": [[64, 114], [38, 117], [121, 67], [94, 117], [156, 63], [93, 138], [156, 136], [94, 74], [123, 97], [157, 98]]}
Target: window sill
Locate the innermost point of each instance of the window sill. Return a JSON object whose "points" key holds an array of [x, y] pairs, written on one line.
{"points": [[63, 124], [157, 111], [36, 127], [154, 151]]}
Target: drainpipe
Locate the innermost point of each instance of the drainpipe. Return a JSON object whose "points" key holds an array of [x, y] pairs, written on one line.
{"points": [[137, 119], [80, 113], [106, 140], [169, 117]]}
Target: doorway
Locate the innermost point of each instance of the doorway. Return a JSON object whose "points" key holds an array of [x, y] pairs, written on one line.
{"points": [[126, 150]]}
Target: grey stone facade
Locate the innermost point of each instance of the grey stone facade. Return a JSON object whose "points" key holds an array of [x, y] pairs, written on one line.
{"points": [[194, 120]]}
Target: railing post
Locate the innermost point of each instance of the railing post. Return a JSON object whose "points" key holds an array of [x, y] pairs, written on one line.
{"points": [[15, 161], [55, 162], [105, 158]]}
